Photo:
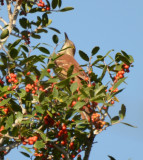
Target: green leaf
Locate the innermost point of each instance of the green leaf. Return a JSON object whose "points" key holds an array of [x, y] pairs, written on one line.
{"points": [[27, 149], [103, 73], [63, 83], [125, 54], [44, 50], [15, 43], [70, 70], [73, 87], [36, 36], [55, 39], [55, 93], [122, 112], [41, 31], [39, 144], [54, 3], [25, 154], [25, 48], [44, 20], [5, 101], [118, 83], [78, 105], [22, 93], [4, 34], [100, 89], [115, 120], [66, 9], [54, 29], [95, 50], [128, 124], [83, 55], [43, 136], [24, 22], [111, 158], [19, 117], [39, 109], [13, 53], [59, 3], [9, 122]]}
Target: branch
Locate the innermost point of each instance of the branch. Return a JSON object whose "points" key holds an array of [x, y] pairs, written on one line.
{"points": [[1, 28], [1, 19], [9, 9], [10, 146], [90, 141], [63, 151], [12, 18]]}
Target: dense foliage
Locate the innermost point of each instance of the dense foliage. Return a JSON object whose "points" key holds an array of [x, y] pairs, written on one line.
{"points": [[40, 112]]}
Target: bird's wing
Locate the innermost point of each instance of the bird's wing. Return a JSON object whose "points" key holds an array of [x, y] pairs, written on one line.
{"points": [[65, 61]]}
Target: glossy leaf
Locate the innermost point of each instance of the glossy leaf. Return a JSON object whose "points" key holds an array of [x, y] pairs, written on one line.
{"points": [[24, 22], [118, 83], [27, 149], [115, 120], [9, 122], [54, 3], [78, 105], [39, 144], [55, 39], [59, 3], [25, 154], [15, 43], [36, 36], [83, 55], [13, 53], [4, 34], [128, 124], [95, 50], [70, 70], [73, 87], [111, 158], [54, 29], [122, 112], [66, 9], [25, 48], [103, 73], [44, 50], [5, 101]]}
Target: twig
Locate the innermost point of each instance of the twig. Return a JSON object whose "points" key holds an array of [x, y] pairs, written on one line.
{"points": [[1, 28], [10, 146], [1, 19], [9, 9], [63, 151]]}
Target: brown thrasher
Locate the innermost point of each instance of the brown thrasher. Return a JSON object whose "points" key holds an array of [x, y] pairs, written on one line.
{"points": [[65, 61]]}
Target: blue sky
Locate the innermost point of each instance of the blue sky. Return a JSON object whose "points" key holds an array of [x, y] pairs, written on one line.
{"points": [[118, 25]]}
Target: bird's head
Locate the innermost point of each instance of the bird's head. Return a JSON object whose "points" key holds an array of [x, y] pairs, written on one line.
{"points": [[68, 47]]}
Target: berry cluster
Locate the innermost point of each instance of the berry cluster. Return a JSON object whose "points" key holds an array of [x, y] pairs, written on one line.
{"points": [[120, 74], [34, 87], [48, 120], [99, 124], [30, 140], [26, 38], [44, 7], [63, 134], [12, 78]]}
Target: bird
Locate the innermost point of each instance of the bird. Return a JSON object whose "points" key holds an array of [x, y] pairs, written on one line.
{"points": [[64, 61]]}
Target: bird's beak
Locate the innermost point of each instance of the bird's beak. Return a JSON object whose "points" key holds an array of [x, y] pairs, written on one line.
{"points": [[66, 36]]}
